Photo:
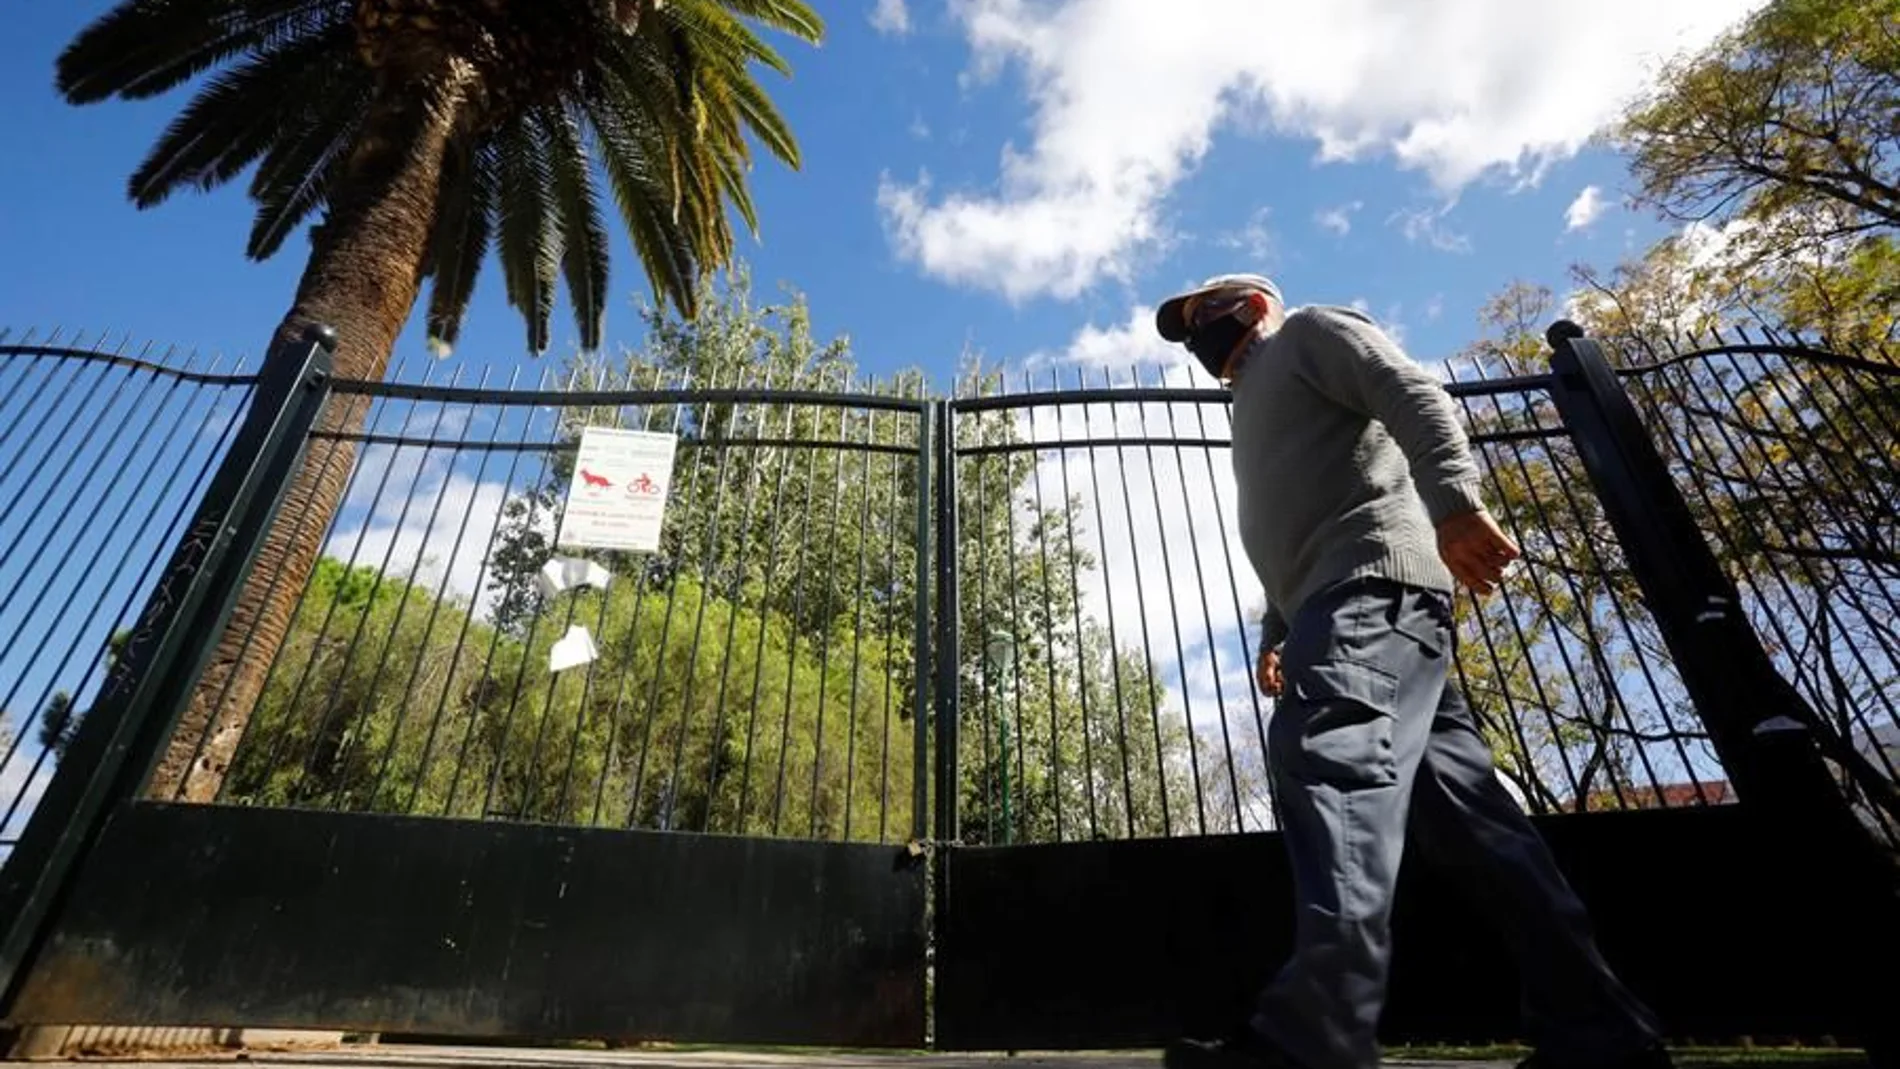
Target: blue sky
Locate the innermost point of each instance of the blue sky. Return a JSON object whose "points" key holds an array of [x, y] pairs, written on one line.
{"points": [[1019, 178], [1013, 111]]}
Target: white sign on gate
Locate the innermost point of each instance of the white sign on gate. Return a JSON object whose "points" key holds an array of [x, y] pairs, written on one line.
{"points": [[617, 498]]}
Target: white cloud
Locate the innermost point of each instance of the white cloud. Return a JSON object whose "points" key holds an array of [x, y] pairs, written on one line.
{"points": [[441, 541], [1254, 238], [1428, 225], [1126, 98], [1585, 210], [1171, 561], [1435, 308], [1338, 219], [891, 16]]}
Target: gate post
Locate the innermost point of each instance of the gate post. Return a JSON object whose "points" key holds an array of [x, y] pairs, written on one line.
{"points": [[174, 635], [949, 656], [1761, 727]]}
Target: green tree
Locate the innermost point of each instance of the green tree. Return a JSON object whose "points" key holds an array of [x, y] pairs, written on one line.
{"points": [[1780, 137], [428, 133], [1772, 455]]}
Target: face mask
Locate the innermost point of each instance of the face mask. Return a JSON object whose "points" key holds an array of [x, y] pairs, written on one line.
{"points": [[1213, 342]]}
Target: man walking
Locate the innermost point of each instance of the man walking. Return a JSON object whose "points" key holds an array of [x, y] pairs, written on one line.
{"points": [[1359, 508]]}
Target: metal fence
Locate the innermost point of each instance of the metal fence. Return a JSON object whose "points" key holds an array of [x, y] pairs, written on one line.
{"points": [[105, 450], [754, 676], [1108, 621], [1789, 456], [760, 674]]}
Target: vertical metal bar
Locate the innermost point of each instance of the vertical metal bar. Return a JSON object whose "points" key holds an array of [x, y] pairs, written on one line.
{"points": [[127, 728], [1759, 723], [119, 617], [1850, 757], [754, 476], [981, 630], [635, 615], [435, 609], [1247, 652], [707, 588], [362, 621], [1016, 661], [12, 422], [926, 415], [1549, 612], [1048, 622], [773, 526], [1174, 618], [1207, 621], [1600, 567], [1075, 597], [949, 615], [1828, 505], [890, 625], [797, 608], [347, 749], [535, 488], [81, 488], [1141, 606], [678, 567], [35, 610], [824, 652], [475, 598], [336, 448], [1114, 643], [68, 427], [869, 426]]}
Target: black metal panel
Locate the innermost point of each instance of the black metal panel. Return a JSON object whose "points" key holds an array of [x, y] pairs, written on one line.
{"points": [[1119, 944], [193, 915]]}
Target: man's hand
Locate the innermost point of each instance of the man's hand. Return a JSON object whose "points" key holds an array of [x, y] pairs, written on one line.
{"points": [[1268, 673], [1476, 550]]}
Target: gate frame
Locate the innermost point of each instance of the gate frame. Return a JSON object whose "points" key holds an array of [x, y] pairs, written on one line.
{"points": [[1770, 740], [116, 743]]}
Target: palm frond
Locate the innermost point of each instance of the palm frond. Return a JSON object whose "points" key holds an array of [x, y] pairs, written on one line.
{"points": [[584, 255], [633, 155], [238, 115], [788, 16], [529, 246], [146, 47], [716, 37], [307, 161], [464, 220]]}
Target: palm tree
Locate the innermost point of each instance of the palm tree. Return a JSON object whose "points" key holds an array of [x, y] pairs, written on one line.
{"points": [[428, 132]]}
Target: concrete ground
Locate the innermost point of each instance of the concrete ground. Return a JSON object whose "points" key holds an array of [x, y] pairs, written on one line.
{"points": [[405, 1057]]}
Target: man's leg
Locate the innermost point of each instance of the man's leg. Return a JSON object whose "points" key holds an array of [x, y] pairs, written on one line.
{"points": [[1576, 1011], [1343, 746]]}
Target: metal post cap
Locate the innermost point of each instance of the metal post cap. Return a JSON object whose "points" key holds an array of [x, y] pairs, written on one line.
{"points": [[322, 334], [1562, 331]]}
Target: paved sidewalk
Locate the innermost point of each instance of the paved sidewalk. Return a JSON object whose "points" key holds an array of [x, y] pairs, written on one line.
{"points": [[405, 1057]]}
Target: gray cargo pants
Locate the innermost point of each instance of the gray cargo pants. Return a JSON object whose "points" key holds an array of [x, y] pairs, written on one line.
{"points": [[1372, 745]]}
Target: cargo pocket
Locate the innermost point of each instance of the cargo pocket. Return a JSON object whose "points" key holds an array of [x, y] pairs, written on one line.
{"points": [[1339, 728]]}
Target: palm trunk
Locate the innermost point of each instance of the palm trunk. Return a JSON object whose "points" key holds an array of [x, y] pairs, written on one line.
{"points": [[363, 278]]}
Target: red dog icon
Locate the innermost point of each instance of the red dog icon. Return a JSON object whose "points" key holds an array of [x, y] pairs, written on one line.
{"points": [[593, 480]]}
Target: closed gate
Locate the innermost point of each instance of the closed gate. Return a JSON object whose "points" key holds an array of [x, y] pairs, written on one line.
{"points": [[442, 794], [922, 711]]}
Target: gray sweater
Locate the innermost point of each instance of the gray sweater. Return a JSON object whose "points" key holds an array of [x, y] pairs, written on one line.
{"points": [[1346, 456]]}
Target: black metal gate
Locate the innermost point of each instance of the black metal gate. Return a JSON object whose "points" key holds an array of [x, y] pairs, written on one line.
{"points": [[1117, 880], [910, 684], [422, 823]]}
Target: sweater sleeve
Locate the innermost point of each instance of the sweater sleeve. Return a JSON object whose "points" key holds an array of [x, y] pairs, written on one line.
{"points": [[1350, 360], [1273, 630]]}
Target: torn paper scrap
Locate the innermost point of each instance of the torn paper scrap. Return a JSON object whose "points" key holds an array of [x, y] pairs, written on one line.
{"points": [[568, 573], [575, 648]]}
